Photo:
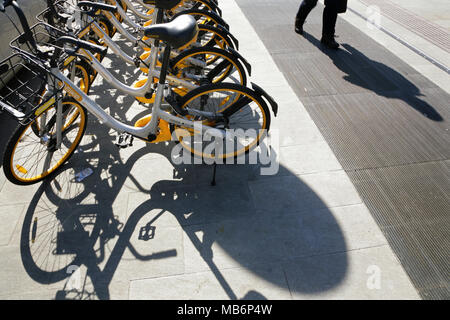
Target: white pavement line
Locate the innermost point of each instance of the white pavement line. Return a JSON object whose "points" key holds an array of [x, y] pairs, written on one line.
{"points": [[414, 58], [265, 69]]}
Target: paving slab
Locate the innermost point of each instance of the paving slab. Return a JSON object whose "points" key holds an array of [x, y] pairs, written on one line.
{"points": [[279, 236], [309, 191], [11, 215], [374, 273], [215, 285], [16, 282], [309, 158]]}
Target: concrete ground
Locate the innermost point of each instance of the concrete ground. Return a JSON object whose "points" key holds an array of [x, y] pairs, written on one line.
{"points": [[9, 32], [145, 228]]}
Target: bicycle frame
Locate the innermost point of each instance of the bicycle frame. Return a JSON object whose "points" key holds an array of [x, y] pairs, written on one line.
{"points": [[153, 72], [136, 92], [133, 9], [125, 18], [147, 6], [143, 133], [118, 25], [151, 128]]}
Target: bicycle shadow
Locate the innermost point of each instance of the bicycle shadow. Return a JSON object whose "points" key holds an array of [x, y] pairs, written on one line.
{"points": [[377, 77], [8, 125], [180, 225]]}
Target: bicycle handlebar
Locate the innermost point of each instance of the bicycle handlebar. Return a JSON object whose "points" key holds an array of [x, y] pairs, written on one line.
{"points": [[4, 4], [28, 35], [82, 44], [97, 6]]}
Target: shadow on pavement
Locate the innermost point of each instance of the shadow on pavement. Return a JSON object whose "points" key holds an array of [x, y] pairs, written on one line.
{"points": [[376, 76], [7, 126], [71, 223]]}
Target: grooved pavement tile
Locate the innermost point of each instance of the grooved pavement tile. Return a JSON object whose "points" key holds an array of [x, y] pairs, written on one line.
{"points": [[410, 204], [367, 131]]}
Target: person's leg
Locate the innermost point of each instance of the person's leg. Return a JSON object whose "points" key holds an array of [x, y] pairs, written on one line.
{"points": [[329, 25], [305, 8], [329, 21]]}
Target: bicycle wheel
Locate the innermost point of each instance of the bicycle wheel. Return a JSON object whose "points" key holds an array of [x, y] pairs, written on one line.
{"points": [[246, 120], [204, 17], [208, 65], [106, 25], [54, 233], [210, 36], [200, 66], [83, 75], [31, 153], [205, 5], [120, 3]]}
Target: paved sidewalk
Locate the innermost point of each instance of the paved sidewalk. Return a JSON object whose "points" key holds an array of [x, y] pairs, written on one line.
{"points": [[413, 30], [155, 230], [386, 123], [434, 11]]}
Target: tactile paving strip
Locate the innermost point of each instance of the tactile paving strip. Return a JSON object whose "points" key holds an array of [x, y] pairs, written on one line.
{"points": [[387, 124], [427, 30]]}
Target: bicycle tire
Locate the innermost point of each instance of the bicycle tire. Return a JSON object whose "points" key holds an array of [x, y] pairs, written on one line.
{"points": [[219, 37], [230, 108], [220, 62], [208, 5], [106, 25], [211, 18], [229, 67], [83, 72], [15, 164]]}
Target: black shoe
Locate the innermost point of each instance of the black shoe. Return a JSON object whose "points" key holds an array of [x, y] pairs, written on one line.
{"points": [[298, 27], [329, 42]]}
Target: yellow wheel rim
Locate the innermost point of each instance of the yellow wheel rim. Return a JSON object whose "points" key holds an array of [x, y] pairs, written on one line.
{"points": [[23, 162], [182, 133]]}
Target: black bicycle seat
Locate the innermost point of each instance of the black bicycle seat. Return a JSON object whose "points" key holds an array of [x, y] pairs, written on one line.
{"points": [[163, 4], [177, 33]]}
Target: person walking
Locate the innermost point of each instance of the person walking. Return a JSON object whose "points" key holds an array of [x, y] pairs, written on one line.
{"points": [[330, 13]]}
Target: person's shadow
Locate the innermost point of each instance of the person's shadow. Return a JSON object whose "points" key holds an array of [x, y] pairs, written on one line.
{"points": [[372, 75]]}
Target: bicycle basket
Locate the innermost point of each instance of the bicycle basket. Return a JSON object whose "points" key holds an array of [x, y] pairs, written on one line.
{"points": [[64, 11], [23, 92], [67, 16], [45, 37]]}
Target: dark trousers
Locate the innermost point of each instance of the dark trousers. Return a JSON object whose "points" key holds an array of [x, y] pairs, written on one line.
{"points": [[329, 16]]}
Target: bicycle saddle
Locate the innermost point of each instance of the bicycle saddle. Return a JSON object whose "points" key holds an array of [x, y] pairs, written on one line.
{"points": [[177, 33], [163, 4]]}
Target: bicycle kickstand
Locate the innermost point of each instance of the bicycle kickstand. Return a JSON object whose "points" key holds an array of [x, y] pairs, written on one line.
{"points": [[213, 182]]}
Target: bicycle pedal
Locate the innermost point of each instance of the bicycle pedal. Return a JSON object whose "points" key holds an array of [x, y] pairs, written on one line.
{"points": [[124, 140]]}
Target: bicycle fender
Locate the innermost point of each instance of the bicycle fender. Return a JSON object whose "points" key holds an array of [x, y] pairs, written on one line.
{"points": [[229, 35], [263, 93], [247, 65]]}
